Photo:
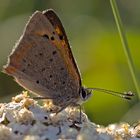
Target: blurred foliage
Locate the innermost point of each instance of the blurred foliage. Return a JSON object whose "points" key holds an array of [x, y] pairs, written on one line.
{"points": [[96, 45]]}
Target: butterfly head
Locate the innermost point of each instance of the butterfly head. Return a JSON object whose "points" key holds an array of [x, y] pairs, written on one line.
{"points": [[85, 93]]}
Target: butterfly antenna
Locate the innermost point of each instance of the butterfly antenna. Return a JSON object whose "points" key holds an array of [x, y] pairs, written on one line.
{"points": [[126, 95]]}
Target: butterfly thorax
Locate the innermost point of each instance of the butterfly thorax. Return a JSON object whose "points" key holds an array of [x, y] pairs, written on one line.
{"points": [[83, 95]]}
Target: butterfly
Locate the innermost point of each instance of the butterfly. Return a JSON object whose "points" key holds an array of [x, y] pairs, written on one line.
{"points": [[42, 62]]}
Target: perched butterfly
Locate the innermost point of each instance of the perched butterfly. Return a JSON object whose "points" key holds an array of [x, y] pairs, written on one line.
{"points": [[42, 62]]}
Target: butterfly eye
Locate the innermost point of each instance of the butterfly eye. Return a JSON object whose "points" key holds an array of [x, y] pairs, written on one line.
{"points": [[85, 94]]}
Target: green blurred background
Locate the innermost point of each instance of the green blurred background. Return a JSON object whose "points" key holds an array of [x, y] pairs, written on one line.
{"points": [[96, 45]]}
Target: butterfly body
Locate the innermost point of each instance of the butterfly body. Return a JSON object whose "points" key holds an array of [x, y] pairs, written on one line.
{"points": [[42, 61]]}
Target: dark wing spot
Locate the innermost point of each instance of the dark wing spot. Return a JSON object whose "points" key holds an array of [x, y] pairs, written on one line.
{"points": [[61, 68], [53, 33], [43, 69], [51, 59], [46, 36], [28, 65], [54, 52], [61, 37], [37, 81], [50, 76], [23, 70], [40, 54], [52, 38], [63, 82]]}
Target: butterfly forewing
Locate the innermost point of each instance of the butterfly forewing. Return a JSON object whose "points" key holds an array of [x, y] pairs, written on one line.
{"points": [[62, 39], [42, 61]]}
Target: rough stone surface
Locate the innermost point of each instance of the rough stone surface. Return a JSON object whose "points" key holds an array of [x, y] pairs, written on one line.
{"points": [[25, 119]]}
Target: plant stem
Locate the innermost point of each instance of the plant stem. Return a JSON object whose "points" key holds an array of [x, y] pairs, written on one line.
{"points": [[124, 44]]}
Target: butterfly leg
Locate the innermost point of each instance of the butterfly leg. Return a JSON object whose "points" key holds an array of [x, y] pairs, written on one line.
{"points": [[80, 107], [62, 108]]}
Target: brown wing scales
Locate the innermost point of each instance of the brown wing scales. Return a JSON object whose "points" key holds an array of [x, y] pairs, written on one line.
{"points": [[63, 42], [42, 60]]}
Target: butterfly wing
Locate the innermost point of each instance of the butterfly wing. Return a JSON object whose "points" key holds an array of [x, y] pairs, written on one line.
{"points": [[66, 51], [42, 60]]}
